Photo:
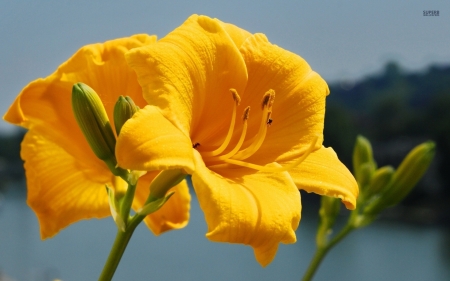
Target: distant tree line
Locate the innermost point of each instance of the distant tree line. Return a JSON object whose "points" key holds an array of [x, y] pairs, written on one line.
{"points": [[396, 111]]}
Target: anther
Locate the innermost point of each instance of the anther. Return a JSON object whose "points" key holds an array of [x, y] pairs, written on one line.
{"points": [[236, 97], [196, 145], [268, 99], [246, 113], [269, 122]]}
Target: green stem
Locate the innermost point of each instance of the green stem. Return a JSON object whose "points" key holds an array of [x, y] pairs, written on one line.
{"points": [[322, 251], [118, 248]]}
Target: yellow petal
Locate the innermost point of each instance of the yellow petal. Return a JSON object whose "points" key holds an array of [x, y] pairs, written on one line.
{"points": [[188, 74], [324, 174], [45, 104], [173, 215], [237, 34], [299, 106], [61, 189], [148, 142], [256, 209]]}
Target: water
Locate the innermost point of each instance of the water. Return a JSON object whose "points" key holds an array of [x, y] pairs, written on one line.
{"points": [[383, 251]]}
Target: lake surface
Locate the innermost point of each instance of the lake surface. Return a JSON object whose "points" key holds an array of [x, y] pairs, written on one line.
{"points": [[382, 251]]}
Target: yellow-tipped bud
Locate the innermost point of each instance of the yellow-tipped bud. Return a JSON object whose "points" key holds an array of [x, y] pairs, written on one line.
{"points": [[363, 156], [123, 110]]}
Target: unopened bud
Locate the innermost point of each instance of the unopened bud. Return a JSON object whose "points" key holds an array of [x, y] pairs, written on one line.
{"points": [[410, 171], [123, 110], [404, 179], [362, 154], [380, 180], [93, 120], [366, 171], [94, 123], [164, 181]]}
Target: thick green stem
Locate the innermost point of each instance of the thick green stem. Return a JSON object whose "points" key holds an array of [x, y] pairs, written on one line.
{"points": [[118, 248]]}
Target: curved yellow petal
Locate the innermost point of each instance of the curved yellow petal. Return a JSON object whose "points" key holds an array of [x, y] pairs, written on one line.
{"points": [[148, 142], [62, 189], [45, 104], [299, 105], [256, 209], [237, 34], [173, 215], [323, 173], [189, 74]]}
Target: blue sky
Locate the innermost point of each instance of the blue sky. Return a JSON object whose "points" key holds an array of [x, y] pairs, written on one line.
{"points": [[345, 39]]}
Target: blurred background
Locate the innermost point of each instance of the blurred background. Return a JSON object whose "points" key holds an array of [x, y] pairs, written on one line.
{"points": [[388, 68]]}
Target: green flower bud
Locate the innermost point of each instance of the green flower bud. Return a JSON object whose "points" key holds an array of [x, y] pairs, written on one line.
{"points": [[366, 171], [123, 110], [94, 123], [380, 180], [410, 171], [362, 154], [164, 181], [404, 179], [93, 120]]}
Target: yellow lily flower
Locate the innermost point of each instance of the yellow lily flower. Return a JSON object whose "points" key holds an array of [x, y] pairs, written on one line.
{"points": [[65, 180], [246, 171]]}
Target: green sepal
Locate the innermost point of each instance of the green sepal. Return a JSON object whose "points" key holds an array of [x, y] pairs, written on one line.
{"points": [[154, 205]]}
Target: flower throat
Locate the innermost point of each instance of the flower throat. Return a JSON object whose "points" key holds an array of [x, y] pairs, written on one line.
{"points": [[236, 156]]}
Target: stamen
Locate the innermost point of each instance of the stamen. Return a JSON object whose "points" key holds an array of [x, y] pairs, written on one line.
{"points": [[267, 103], [236, 97], [225, 143], [275, 169], [241, 139]]}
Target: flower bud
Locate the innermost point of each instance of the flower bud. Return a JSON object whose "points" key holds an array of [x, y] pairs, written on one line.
{"points": [[94, 123], [404, 179], [123, 110], [410, 171], [366, 171], [362, 154], [380, 180], [164, 181]]}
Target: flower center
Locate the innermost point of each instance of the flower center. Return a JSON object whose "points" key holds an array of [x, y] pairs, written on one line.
{"points": [[237, 154]]}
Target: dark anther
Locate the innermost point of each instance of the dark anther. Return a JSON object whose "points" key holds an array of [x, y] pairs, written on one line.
{"points": [[196, 145], [269, 122]]}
